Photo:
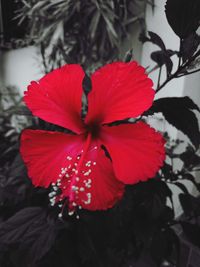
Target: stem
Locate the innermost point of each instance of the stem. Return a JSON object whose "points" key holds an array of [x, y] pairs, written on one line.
{"points": [[159, 76], [168, 80], [178, 71], [153, 69], [196, 170], [179, 60], [188, 73]]}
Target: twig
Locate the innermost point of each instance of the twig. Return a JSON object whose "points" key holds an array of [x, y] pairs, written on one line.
{"points": [[159, 76], [178, 71], [179, 60], [188, 73]]}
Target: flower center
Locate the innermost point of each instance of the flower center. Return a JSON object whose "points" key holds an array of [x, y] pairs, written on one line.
{"points": [[94, 129]]}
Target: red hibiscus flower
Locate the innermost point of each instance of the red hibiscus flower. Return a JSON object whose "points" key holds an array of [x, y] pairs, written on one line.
{"points": [[75, 164]]}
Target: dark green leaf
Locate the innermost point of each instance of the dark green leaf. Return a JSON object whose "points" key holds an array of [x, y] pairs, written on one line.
{"points": [[189, 46], [191, 178], [31, 231], [13, 230], [178, 112], [190, 204], [165, 246], [190, 158], [192, 232], [158, 251], [186, 204], [163, 58], [156, 39], [182, 187], [183, 16]]}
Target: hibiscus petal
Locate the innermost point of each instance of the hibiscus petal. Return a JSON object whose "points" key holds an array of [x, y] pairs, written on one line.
{"points": [[86, 178], [119, 90], [46, 152], [97, 188], [137, 151], [56, 98]]}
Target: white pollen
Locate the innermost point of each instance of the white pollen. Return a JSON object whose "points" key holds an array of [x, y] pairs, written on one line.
{"points": [[60, 215], [94, 163], [70, 213], [74, 188], [69, 158], [77, 179], [51, 194], [82, 189], [87, 173], [87, 202]]}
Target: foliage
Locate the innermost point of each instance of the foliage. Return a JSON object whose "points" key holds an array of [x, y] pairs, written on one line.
{"points": [[141, 229], [87, 32]]}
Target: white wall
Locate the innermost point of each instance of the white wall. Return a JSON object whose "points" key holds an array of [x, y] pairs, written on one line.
{"points": [[157, 22], [19, 67]]}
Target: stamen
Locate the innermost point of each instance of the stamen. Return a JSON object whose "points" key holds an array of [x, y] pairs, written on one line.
{"points": [[71, 183]]}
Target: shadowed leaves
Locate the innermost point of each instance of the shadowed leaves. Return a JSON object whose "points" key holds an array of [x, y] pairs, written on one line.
{"points": [[183, 16], [178, 111]]}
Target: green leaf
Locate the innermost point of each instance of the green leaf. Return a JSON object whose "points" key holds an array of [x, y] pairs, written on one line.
{"points": [[183, 16], [192, 232], [178, 111]]}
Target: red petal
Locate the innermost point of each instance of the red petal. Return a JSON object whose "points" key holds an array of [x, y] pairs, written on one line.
{"points": [[137, 151], [97, 188], [58, 158], [46, 152], [119, 90], [56, 98]]}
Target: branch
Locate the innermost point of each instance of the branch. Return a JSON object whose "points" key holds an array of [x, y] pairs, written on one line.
{"points": [[188, 73], [179, 71]]}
